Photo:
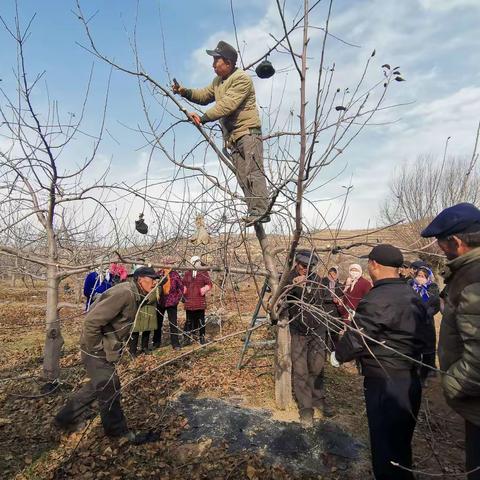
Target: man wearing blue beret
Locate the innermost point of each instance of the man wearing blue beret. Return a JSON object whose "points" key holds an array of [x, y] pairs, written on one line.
{"points": [[457, 230]]}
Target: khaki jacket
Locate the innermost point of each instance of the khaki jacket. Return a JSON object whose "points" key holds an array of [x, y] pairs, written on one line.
{"points": [[235, 104], [459, 343], [109, 321]]}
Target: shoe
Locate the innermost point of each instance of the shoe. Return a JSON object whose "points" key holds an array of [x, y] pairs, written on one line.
{"points": [[202, 340], [177, 347], [70, 427], [139, 437], [254, 218], [306, 417]]}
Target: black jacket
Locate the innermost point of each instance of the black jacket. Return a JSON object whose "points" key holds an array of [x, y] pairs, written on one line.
{"points": [[305, 305], [327, 296], [392, 313]]}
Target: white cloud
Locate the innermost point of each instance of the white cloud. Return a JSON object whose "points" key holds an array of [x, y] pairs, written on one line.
{"points": [[448, 5]]}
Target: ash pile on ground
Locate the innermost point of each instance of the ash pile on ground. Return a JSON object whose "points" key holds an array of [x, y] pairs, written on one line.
{"points": [[314, 450]]}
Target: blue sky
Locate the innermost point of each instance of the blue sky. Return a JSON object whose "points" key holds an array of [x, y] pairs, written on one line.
{"points": [[435, 42]]}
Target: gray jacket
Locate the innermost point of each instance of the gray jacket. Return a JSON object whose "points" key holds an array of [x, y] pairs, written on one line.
{"points": [[109, 321]]}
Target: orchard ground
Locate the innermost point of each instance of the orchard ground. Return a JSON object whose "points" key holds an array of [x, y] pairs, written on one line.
{"points": [[216, 422]]}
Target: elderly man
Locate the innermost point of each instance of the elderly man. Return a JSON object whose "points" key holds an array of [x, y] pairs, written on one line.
{"points": [[235, 106], [308, 327], [385, 336], [106, 330], [457, 230]]}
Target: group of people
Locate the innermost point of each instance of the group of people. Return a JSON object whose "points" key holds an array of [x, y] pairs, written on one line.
{"points": [[148, 324], [387, 327]]}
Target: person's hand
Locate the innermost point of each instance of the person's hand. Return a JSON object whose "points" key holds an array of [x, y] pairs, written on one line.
{"points": [[299, 279], [333, 360], [184, 290], [335, 300], [176, 88], [195, 118], [348, 281]]}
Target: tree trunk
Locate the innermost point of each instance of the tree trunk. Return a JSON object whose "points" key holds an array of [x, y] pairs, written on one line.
{"points": [[283, 361], [53, 339]]}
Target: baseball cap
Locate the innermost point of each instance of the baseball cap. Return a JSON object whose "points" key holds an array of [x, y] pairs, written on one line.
{"points": [[225, 50], [307, 257], [386, 255], [145, 272]]}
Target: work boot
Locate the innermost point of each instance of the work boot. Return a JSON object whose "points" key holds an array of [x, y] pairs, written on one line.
{"points": [[306, 417], [253, 218]]}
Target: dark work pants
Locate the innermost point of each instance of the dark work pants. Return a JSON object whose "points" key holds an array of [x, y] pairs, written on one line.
{"points": [[172, 321], [308, 361], [247, 157], [392, 409], [133, 342], [427, 359], [195, 322], [103, 386], [472, 450]]}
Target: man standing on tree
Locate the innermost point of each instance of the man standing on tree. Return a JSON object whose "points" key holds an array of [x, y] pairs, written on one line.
{"points": [[235, 106], [457, 230], [106, 329]]}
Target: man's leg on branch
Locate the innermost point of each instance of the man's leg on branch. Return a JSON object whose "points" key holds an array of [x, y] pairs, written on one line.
{"points": [[247, 156]]}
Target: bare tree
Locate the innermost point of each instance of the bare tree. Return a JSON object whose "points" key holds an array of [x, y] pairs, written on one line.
{"points": [[422, 189], [329, 117], [54, 221]]}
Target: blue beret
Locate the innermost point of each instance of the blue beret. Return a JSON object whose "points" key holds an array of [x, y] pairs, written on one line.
{"points": [[461, 218]]}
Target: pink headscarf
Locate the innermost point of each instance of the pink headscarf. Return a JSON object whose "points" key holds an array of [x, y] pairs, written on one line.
{"points": [[119, 270]]}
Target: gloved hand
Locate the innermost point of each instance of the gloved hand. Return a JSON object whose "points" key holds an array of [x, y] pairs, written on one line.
{"points": [[333, 360]]}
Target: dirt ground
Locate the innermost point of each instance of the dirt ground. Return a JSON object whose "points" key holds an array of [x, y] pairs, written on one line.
{"points": [[216, 422]]}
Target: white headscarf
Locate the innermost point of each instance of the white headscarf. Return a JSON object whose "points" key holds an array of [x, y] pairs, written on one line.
{"points": [[194, 260], [355, 266]]}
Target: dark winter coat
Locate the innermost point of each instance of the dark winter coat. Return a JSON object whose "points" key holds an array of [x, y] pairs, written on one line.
{"points": [[176, 290], [352, 297], [459, 343], [194, 300], [306, 317], [328, 304], [392, 313]]}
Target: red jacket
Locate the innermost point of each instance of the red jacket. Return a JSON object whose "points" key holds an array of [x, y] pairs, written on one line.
{"points": [[194, 300], [351, 298]]}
